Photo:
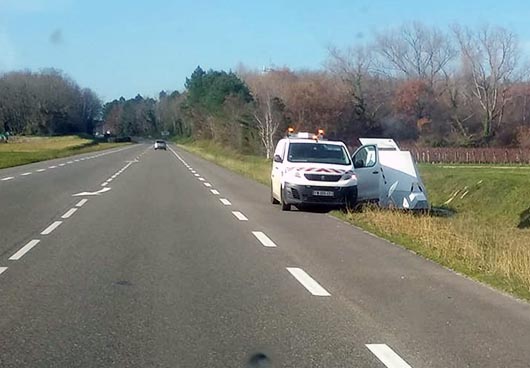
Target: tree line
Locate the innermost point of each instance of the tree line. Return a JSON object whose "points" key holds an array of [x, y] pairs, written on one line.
{"points": [[418, 84], [46, 103]]}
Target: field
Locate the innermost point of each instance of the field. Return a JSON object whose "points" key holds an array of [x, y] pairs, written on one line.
{"points": [[480, 226], [25, 150]]}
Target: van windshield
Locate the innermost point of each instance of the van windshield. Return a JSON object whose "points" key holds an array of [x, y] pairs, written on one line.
{"points": [[321, 153]]}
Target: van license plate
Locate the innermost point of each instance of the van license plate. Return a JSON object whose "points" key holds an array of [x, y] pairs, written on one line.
{"points": [[322, 193]]}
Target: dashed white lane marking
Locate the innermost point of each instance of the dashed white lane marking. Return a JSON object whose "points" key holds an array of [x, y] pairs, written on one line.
{"points": [[201, 179], [308, 282], [225, 201], [62, 164], [52, 227], [2, 270], [104, 184], [41, 170], [387, 356], [239, 216], [207, 185], [81, 202], [26, 248], [70, 162], [7, 178], [26, 174], [264, 239], [69, 213], [52, 167], [215, 191], [196, 174]]}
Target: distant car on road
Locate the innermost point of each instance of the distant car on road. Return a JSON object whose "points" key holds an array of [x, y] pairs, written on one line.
{"points": [[159, 144]]}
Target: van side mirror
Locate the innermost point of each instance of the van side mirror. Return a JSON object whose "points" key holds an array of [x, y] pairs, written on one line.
{"points": [[277, 158]]}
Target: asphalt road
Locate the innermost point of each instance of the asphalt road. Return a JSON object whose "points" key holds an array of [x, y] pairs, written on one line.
{"points": [[137, 258]]}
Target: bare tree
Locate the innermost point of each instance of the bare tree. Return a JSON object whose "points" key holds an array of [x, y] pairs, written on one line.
{"points": [[459, 105], [490, 61], [267, 112], [355, 67], [415, 51]]}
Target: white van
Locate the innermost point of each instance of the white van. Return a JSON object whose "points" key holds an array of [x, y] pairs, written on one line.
{"points": [[308, 169]]}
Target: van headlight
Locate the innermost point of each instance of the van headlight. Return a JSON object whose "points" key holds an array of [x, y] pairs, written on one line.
{"points": [[348, 175]]}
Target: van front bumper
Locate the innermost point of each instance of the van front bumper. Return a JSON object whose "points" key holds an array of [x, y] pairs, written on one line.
{"points": [[313, 194]]}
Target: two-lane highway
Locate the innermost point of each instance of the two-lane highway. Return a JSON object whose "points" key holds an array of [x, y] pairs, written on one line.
{"points": [[37, 193], [165, 260]]}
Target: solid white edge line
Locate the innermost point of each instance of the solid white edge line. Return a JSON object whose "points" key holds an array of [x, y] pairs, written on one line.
{"points": [[69, 213], [387, 356], [81, 202], [26, 248], [214, 191], [52, 227], [207, 185], [239, 216], [2, 270], [225, 201], [264, 239], [307, 281], [8, 178]]}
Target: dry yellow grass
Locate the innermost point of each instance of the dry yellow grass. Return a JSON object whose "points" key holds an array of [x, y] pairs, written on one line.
{"points": [[36, 144], [498, 255], [25, 150]]}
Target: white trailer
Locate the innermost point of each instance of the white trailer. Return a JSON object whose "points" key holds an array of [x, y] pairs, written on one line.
{"points": [[387, 175]]}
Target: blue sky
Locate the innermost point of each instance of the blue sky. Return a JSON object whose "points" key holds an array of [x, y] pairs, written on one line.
{"points": [[125, 47]]}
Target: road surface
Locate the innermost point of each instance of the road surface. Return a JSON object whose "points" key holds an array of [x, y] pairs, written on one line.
{"points": [[140, 258]]}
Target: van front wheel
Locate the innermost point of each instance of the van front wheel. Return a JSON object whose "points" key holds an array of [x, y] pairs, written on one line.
{"points": [[285, 206], [273, 200]]}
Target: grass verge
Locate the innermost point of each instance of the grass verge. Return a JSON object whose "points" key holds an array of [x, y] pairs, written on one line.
{"points": [[26, 150], [486, 238]]}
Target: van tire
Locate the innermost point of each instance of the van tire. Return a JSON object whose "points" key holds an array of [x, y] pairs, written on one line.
{"points": [[351, 201], [285, 206], [274, 200]]}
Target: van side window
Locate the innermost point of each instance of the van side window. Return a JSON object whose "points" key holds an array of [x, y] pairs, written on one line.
{"points": [[365, 157]]}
